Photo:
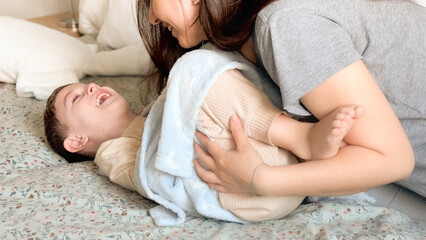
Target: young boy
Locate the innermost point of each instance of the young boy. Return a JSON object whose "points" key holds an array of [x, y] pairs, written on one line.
{"points": [[85, 121]]}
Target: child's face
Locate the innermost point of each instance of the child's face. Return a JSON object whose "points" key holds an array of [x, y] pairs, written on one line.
{"points": [[97, 112]]}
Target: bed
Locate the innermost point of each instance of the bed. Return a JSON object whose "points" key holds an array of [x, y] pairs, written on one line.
{"points": [[42, 196]]}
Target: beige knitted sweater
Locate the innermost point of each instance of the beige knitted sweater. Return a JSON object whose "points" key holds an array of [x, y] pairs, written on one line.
{"points": [[230, 94]]}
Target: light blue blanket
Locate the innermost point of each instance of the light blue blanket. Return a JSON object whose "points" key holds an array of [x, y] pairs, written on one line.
{"points": [[164, 170]]}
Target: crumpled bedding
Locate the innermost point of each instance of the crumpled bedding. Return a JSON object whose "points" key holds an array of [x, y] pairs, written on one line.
{"points": [[43, 197]]}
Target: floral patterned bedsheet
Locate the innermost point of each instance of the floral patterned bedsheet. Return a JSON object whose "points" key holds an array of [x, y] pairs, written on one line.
{"points": [[44, 197]]}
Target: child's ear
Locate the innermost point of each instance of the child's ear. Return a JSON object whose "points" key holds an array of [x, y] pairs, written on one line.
{"points": [[74, 144]]}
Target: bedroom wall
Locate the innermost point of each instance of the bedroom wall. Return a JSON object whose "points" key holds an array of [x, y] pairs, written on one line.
{"points": [[35, 8]]}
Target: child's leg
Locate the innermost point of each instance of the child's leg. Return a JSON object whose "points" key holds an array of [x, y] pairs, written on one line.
{"points": [[315, 140]]}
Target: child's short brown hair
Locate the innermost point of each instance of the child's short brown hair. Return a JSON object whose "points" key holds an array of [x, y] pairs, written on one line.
{"points": [[56, 133]]}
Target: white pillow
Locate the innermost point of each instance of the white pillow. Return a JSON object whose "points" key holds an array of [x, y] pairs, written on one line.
{"points": [[129, 60], [120, 26], [91, 15], [27, 48], [421, 2], [41, 85]]}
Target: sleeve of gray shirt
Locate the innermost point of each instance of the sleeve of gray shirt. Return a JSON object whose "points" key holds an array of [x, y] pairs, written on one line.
{"points": [[300, 49]]}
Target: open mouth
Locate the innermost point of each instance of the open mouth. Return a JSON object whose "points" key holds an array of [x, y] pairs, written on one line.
{"points": [[101, 98]]}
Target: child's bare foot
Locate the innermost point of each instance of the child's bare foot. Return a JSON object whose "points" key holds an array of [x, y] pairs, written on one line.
{"points": [[326, 136]]}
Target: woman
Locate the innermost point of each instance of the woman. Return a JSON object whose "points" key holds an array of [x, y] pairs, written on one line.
{"points": [[322, 54]]}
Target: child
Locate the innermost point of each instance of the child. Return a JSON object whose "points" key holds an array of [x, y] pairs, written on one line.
{"points": [[85, 121]]}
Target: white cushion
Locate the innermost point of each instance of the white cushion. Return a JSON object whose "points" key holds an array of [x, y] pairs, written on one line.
{"points": [[91, 15], [421, 2], [120, 26], [41, 85], [129, 60], [27, 47]]}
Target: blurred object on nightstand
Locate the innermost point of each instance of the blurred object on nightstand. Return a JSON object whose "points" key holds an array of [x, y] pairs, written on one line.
{"points": [[52, 21], [71, 22]]}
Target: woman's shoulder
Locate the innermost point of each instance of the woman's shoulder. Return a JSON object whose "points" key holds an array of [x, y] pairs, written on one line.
{"points": [[281, 9]]}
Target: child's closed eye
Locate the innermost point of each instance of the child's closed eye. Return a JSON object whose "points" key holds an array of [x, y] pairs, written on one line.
{"points": [[75, 98]]}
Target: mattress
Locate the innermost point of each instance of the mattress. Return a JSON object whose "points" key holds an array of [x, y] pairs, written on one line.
{"points": [[42, 196]]}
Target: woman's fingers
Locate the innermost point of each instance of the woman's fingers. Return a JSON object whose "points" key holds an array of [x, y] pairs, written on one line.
{"points": [[237, 130], [209, 177], [206, 175], [204, 157], [228, 171], [213, 149], [217, 187]]}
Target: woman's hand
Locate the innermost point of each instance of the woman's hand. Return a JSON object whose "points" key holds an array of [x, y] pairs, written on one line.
{"points": [[229, 171]]}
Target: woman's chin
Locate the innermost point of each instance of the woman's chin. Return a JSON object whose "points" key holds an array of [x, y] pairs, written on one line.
{"points": [[186, 44]]}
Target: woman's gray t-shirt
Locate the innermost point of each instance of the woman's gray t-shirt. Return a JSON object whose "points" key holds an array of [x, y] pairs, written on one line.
{"points": [[302, 43]]}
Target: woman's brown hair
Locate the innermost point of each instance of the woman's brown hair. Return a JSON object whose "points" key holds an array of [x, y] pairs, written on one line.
{"points": [[227, 24]]}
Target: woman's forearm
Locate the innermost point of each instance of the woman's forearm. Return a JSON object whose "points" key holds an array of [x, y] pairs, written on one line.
{"points": [[353, 169], [378, 150]]}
